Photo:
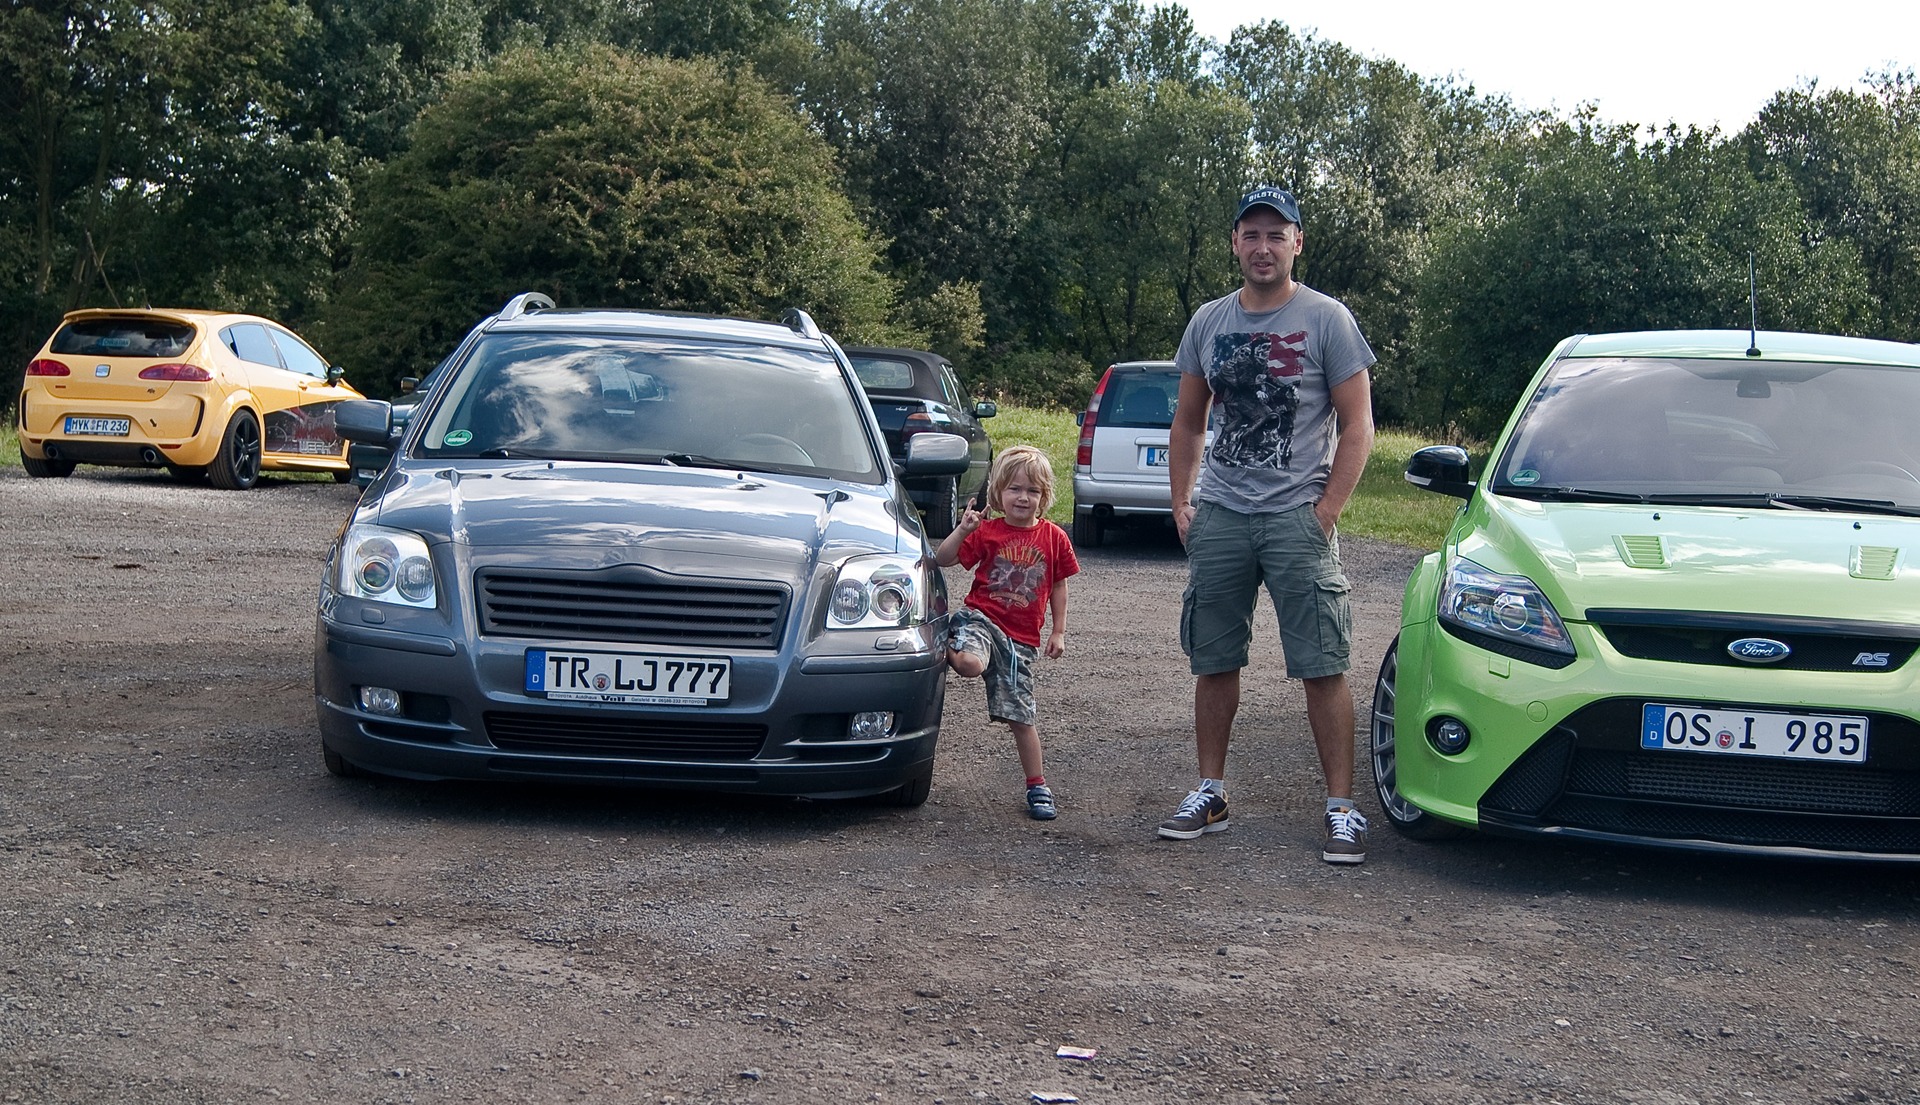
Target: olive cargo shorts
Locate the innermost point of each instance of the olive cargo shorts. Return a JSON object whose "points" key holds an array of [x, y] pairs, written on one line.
{"points": [[1229, 555]]}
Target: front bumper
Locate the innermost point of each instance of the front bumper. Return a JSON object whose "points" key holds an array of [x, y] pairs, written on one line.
{"points": [[465, 716], [1557, 752]]}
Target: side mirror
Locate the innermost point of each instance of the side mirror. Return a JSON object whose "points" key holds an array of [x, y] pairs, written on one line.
{"points": [[363, 420], [335, 374], [408, 383], [937, 454], [1441, 468], [985, 408]]}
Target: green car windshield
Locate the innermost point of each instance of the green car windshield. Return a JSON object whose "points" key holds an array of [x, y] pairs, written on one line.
{"points": [[645, 400], [1679, 430]]}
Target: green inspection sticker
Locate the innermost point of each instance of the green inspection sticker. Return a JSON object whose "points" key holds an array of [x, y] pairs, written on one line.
{"points": [[1526, 476], [459, 437]]}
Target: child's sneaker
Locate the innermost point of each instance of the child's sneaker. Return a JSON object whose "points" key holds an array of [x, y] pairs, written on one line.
{"points": [[1346, 837], [1203, 811], [1040, 803]]}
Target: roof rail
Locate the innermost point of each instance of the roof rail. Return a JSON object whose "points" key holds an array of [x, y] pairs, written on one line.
{"points": [[524, 302], [800, 322]]}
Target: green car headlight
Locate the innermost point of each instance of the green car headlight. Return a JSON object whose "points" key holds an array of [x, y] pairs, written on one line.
{"points": [[1505, 608]]}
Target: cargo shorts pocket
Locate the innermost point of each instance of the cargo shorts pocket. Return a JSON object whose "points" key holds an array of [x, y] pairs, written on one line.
{"points": [[1335, 613]]}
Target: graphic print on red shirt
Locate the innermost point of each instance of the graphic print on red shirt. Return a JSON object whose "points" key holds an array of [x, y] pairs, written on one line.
{"points": [[1014, 573]]}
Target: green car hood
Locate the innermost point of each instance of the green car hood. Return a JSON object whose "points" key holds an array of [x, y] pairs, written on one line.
{"points": [[1586, 556]]}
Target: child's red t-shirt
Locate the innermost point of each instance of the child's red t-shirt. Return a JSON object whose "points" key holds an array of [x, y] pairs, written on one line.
{"points": [[1014, 573]]}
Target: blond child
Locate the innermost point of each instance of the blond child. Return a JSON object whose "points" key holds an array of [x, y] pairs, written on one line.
{"points": [[1020, 564]]}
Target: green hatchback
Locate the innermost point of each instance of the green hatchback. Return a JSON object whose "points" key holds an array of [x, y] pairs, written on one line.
{"points": [[1679, 609]]}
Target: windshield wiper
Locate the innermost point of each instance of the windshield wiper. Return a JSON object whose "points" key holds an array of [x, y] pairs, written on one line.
{"points": [[1835, 502], [695, 460], [1574, 494]]}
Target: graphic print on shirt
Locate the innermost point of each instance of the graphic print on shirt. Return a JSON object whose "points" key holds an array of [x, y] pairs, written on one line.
{"points": [[1256, 382], [1016, 576]]}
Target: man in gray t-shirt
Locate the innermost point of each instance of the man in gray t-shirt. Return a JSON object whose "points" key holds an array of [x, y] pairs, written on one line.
{"points": [[1286, 366]]}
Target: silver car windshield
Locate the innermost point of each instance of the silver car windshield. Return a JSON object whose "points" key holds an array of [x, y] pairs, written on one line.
{"points": [[653, 401], [1686, 430]]}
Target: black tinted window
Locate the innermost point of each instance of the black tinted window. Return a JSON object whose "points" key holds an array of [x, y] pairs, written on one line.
{"points": [[123, 337], [1143, 400]]}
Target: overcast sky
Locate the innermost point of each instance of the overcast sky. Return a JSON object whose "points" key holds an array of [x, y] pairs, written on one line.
{"points": [[1704, 63]]}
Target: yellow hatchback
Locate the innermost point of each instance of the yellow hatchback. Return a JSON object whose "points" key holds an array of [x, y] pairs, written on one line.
{"points": [[202, 394]]}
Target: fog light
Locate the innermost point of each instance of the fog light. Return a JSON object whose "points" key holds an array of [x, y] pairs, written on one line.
{"points": [[380, 700], [873, 726], [1448, 736]]}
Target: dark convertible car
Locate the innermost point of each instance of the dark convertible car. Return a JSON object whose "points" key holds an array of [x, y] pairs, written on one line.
{"points": [[915, 392], [628, 546]]}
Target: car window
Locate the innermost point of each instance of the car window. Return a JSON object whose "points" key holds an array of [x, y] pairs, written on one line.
{"points": [[1685, 426], [123, 337], [249, 342], [1141, 400], [650, 400], [883, 373], [299, 356], [951, 385]]}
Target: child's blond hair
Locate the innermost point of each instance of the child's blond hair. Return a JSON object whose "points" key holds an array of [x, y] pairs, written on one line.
{"points": [[1020, 458]]}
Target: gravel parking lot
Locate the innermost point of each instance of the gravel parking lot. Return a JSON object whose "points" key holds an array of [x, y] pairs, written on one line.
{"points": [[192, 910]]}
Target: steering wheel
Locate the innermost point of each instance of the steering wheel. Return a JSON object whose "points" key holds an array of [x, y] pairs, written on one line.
{"points": [[1876, 468], [773, 448]]}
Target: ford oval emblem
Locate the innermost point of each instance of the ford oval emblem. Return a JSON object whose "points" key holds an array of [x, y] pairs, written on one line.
{"points": [[1759, 650]]}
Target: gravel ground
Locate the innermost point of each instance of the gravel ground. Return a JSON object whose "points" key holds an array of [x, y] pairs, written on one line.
{"points": [[192, 910]]}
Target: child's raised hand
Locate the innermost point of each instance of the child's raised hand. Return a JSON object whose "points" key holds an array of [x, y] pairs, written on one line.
{"points": [[974, 514]]}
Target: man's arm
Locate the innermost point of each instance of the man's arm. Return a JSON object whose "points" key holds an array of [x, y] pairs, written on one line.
{"points": [[1353, 443], [1185, 441]]}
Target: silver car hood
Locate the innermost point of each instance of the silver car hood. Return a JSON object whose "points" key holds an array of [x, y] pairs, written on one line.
{"points": [[690, 521]]}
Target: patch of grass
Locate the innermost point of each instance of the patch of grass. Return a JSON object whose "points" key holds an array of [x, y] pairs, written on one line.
{"points": [[1385, 507], [9, 445]]}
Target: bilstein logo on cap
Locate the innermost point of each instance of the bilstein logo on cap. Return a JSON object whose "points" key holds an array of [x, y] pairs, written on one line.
{"points": [[1279, 199]]}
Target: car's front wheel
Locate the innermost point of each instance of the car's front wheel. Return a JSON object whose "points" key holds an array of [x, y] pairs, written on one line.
{"points": [[909, 795], [237, 466], [1405, 816], [45, 469]]}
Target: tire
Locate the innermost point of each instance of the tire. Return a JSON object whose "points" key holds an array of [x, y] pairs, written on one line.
{"points": [[48, 469], [237, 467], [1409, 819], [943, 514], [909, 795], [339, 766], [1088, 531], [343, 475]]}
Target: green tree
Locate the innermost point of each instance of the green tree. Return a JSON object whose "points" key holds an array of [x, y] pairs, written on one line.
{"points": [[145, 157], [1854, 159], [604, 179], [1586, 228]]}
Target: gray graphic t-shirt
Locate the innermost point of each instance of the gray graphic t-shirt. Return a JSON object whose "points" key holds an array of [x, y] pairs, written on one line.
{"points": [[1271, 374]]}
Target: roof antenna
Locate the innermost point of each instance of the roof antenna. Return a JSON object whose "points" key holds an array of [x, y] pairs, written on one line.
{"points": [[1753, 303]]}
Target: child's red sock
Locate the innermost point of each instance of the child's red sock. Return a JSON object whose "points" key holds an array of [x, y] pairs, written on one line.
{"points": [[1036, 780]]}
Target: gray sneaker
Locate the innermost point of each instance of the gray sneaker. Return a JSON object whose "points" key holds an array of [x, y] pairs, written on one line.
{"points": [[1346, 837], [1202, 811]]}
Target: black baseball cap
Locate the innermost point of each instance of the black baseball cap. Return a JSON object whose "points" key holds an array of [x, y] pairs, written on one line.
{"points": [[1279, 199]]}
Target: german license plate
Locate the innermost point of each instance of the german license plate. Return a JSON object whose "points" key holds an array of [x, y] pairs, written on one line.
{"points": [[1157, 456], [1829, 738], [103, 427], [644, 678]]}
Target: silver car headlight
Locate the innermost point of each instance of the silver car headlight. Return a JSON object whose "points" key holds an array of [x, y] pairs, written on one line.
{"points": [[385, 565], [1507, 608], [879, 592]]}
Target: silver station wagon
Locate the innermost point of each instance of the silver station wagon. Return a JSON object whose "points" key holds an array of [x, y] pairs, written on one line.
{"points": [[637, 547]]}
